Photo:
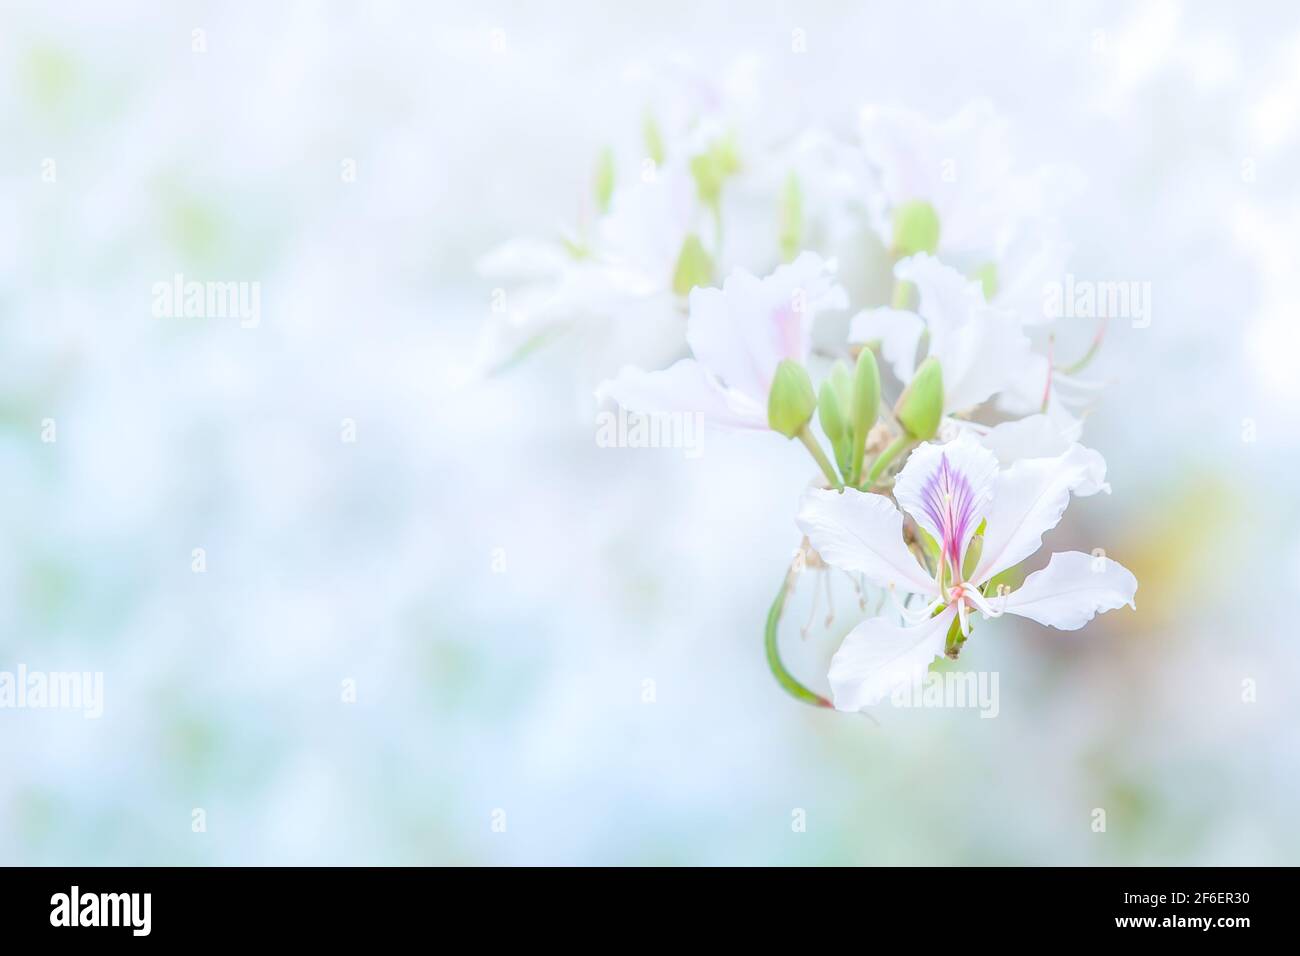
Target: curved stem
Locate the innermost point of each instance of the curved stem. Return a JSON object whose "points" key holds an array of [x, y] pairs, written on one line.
{"points": [[819, 456], [783, 677]]}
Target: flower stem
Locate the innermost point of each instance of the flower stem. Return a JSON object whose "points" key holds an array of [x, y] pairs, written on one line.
{"points": [[885, 457], [783, 677], [819, 456]]}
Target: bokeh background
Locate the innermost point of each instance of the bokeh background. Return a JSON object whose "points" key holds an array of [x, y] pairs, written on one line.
{"points": [[497, 586]]}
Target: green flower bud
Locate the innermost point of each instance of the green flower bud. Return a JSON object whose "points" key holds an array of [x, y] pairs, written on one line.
{"points": [[831, 414], [987, 275], [791, 403], [654, 140], [711, 169], [790, 236], [842, 381], [866, 404], [694, 266], [916, 228], [603, 180], [920, 407]]}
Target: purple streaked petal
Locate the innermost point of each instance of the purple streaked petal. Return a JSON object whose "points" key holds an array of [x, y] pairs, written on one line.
{"points": [[947, 489]]}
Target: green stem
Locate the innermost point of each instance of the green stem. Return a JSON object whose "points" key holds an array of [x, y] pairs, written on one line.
{"points": [[783, 677], [819, 456], [886, 456]]}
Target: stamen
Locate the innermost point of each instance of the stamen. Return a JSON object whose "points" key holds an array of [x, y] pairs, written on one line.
{"points": [[907, 614], [985, 606], [830, 601], [812, 612]]}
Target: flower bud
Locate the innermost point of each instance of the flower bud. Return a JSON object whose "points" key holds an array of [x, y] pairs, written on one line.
{"points": [[694, 266], [790, 235], [603, 180], [920, 407], [830, 412], [987, 276], [654, 140], [916, 228], [866, 404], [791, 403]]}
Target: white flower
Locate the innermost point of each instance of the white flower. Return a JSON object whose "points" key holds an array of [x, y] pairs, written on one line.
{"points": [[618, 273], [981, 349], [738, 335], [990, 214], [949, 490]]}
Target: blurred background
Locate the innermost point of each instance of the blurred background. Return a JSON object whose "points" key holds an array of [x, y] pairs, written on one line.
{"points": [[555, 648]]}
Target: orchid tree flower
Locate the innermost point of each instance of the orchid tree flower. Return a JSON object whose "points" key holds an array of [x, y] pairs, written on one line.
{"points": [[973, 351], [627, 272], [981, 349], [952, 491], [738, 335], [951, 187]]}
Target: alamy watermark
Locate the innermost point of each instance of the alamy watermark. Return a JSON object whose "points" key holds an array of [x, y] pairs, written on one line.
{"points": [[1089, 299], [624, 429], [53, 690], [977, 690], [190, 299]]}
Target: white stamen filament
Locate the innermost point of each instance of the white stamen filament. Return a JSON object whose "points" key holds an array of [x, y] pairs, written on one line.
{"points": [[985, 607], [913, 617]]}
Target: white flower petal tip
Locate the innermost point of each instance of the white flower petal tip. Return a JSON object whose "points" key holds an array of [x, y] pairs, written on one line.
{"points": [[1028, 501], [862, 533], [684, 387], [1072, 590], [1039, 437], [878, 656]]}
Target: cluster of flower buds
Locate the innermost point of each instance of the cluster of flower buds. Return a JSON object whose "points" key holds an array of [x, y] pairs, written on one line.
{"points": [[935, 499]]}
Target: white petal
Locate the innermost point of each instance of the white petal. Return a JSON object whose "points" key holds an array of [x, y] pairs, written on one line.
{"points": [[1038, 436], [1028, 501], [1035, 436], [947, 489], [981, 350], [743, 330], [862, 532], [897, 330], [879, 656], [683, 387], [915, 157], [946, 297], [1072, 589], [524, 260]]}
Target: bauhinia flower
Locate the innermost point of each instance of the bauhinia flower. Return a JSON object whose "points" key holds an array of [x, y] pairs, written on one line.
{"points": [[738, 335], [951, 187], [980, 349], [952, 491]]}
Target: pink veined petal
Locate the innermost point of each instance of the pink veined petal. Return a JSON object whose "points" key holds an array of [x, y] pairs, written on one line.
{"points": [[947, 489], [1028, 501], [684, 387], [862, 532], [1072, 589], [742, 331], [879, 656]]}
